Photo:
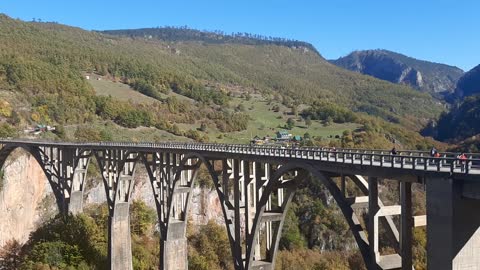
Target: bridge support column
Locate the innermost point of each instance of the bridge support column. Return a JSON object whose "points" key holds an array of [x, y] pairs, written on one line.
{"points": [[76, 202], [77, 184], [120, 243], [373, 209], [406, 224], [453, 226], [118, 168], [175, 252]]}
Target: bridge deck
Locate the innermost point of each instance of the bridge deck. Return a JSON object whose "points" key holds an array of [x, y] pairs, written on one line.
{"points": [[405, 161]]}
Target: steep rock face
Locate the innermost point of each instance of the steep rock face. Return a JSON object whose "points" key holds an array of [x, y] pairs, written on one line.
{"points": [[397, 68], [469, 84], [23, 198], [204, 206]]}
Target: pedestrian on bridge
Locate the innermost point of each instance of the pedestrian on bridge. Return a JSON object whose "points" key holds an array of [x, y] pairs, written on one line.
{"points": [[433, 153], [394, 153], [463, 161]]}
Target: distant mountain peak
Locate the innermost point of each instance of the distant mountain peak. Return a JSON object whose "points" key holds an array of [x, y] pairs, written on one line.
{"points": [[398, 68], [469, 83]]}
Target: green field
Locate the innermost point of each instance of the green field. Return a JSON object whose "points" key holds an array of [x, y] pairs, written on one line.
{"points": [[124, 92], [121, 134], [263, 120], [118, 90]]}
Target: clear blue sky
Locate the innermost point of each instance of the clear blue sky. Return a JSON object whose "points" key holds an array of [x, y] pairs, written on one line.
{"points": [[445, 31]]}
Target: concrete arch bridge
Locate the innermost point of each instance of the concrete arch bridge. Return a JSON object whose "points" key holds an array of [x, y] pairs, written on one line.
{"points": [[255, 185]]}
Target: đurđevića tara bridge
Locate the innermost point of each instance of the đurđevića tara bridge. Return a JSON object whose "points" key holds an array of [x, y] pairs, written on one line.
{"points": [[255, 185]]}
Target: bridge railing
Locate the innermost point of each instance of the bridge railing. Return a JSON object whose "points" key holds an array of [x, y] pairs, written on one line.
{"points": [[416, 160]]}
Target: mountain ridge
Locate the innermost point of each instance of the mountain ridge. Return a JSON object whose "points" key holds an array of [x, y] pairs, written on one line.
{"points": [[469, 83], [394, 67], [181, 34]]}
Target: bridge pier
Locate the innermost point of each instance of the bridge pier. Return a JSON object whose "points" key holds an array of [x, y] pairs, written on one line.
{"points": [[119, 238], [118, 168], [77, 185], [453, 226], [175, 254], [75, 205], [175, 251]]}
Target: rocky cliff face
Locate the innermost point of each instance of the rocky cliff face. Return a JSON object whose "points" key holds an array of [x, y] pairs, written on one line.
{"points": [[23, 197], [26, 198], [393, 67], [204, 206]]}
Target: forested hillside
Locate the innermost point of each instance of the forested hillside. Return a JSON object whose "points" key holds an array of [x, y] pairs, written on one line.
{"points": [[47, 59], [290, 71], [462, 123]]}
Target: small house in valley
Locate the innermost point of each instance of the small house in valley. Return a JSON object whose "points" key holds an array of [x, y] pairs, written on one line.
{"points": [[283, 135]]}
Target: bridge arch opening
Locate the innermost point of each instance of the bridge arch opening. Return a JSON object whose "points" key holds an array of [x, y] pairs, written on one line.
{"points": [[143, 219], [206, 233], [351, 198], [260, 232], [261, 236], [120, 206]]}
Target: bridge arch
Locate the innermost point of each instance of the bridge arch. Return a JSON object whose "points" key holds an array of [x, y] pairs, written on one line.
{"points": [[48, 168], [172, 177], [274, 184]]}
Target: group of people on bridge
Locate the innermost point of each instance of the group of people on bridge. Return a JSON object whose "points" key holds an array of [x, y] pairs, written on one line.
{"points": [[462, 157]]}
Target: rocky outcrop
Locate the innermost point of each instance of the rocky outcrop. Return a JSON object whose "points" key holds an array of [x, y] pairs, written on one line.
{"points": [[23, 198], [397, 68], [204, 206]]}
